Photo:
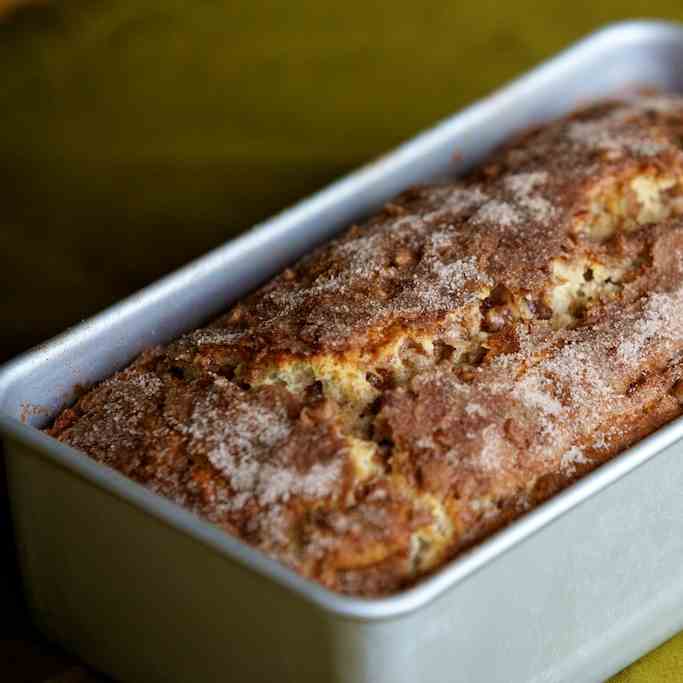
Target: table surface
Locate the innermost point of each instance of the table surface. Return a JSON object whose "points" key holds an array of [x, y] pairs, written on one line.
{"points": [[136, 135]]}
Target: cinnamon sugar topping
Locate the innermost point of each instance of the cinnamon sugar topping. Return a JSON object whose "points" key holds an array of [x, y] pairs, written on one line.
{"points": [[417, 383]]}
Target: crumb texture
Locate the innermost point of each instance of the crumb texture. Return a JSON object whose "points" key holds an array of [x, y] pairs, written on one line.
{"points": [[405, 390]]}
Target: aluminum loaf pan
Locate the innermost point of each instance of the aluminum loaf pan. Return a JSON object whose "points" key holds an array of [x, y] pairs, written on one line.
{"points": [[144, 590]]}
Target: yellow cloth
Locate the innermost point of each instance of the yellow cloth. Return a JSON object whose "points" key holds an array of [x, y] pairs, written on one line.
{"points": [[663, 665], [136, 134]]}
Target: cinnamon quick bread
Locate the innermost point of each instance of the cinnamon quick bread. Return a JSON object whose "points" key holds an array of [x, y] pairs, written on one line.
{"points": [[407, 389]]}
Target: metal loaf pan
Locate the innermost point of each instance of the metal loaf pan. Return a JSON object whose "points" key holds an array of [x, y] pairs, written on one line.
{"points": [[142, 589]]}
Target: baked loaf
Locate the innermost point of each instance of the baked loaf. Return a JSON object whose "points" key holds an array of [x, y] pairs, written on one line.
{"points": [[410, 387]]}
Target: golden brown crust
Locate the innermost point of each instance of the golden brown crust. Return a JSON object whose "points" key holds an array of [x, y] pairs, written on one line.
{"points": [[415, 384]]}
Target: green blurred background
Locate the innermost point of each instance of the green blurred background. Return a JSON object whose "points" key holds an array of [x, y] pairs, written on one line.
{"points": [[135, 136]]}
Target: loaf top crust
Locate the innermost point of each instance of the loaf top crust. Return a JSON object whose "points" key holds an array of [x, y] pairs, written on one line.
{"points": [[415, 384]]}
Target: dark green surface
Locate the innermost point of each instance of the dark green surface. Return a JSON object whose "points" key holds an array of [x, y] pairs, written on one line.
{"points": [[134, 136]]}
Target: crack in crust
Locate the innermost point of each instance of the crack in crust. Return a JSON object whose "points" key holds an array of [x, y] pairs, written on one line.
{"points": [[415, 384]]}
